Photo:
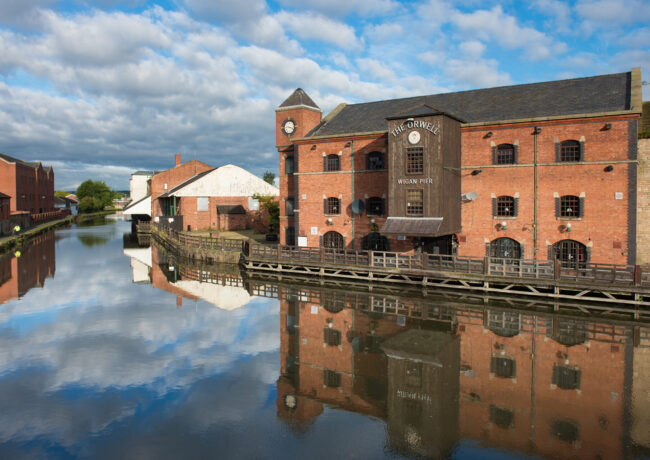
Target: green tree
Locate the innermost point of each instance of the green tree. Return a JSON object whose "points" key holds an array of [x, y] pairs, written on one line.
{"points": [[269, 177], [100, 194], [62, 193], [272, 205]]}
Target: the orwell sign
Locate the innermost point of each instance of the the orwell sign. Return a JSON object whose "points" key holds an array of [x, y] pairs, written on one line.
{"points": [[433, 128]]}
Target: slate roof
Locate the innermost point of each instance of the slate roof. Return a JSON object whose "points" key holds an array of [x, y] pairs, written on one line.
{"points": [[603, 93], [144, 173], [183, 184], [2, 195], [31, 164], [299, 97]]}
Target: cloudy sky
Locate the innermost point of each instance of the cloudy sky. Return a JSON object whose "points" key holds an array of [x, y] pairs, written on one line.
{"points": [[101, 88]]}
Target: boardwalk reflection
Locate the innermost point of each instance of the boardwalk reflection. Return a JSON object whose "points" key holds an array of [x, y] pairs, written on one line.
{"points": [[535, 384], [35, 263]]}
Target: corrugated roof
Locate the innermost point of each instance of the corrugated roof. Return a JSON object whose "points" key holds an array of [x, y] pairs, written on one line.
{"points": [[299, 97], [604, 93]]}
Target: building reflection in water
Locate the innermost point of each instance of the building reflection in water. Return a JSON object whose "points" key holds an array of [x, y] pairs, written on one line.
{"points": [[440, 374], [35, 263], [220, 285]]}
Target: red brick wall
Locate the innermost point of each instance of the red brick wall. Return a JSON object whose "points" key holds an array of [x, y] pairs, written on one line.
{"points": [[603, 228], [173, 177], [203, 220]]}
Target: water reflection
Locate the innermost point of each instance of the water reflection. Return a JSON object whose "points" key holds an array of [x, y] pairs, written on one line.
{"points": [[28, 268], [102, 363]]}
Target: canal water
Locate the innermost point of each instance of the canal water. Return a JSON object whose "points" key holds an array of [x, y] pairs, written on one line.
{"points": [[110, 348]]}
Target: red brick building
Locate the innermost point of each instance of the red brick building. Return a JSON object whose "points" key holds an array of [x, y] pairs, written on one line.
{"points": [[30, 185], [526, 171], [196, 196]]}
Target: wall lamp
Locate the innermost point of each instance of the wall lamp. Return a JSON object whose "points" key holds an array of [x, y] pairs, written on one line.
{"points": [[488, 134], [313, 147], [348, 144], [476, 172], [330, 221], [568, 227], [608, 168], [537, 130], [607, 127], [504, 225]]}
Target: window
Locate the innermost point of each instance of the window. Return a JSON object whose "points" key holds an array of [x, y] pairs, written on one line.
{"points": [[505, 206], [332, 337], [503, 418], [333, 240], [414, 160], [202, 203], [505, 248], [415, 202], [289, 203], [288, 165], [332, 163], [570, 151], [565, 430], [566, 377], [503, 367], [290, 236], [332, 206], [504, 323], [571, 253], [375, 160], [504, 154], [375, 206], [569, 206], [375, 242], [331, 378]]}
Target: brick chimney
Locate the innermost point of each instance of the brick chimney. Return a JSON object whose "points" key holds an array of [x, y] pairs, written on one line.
{"points": [[178, 159]]}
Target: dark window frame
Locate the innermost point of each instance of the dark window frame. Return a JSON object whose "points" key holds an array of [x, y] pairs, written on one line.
{"points": [[289, 206], [571, 151], [566, 377], [332, 163], [333, 240], [503, 367], [331, 378], [374, 241], [502, 246], [415, 207], [289, 165], [375, 206], [331, 337], [332, 206], [505, 154], [375, 160], [506, 206], [570, 206], [414, 160]]}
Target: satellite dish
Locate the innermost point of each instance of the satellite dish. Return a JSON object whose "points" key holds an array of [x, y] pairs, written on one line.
{"points": [[471, 196], [357, 206]]}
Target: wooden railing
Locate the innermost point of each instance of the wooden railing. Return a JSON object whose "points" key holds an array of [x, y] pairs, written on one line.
{"points": [[43, 217], [144, 227], [202, 242], [629, 275]]}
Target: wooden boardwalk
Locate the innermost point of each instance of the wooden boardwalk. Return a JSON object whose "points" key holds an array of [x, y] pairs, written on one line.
{"points": [[608, 285]]}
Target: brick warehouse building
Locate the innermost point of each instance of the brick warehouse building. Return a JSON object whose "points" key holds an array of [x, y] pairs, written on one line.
{"points": [[30, 185], [527, 171]]}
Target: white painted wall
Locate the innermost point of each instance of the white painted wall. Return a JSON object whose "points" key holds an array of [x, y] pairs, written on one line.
{"points": [[138, 186], [228, 180]]}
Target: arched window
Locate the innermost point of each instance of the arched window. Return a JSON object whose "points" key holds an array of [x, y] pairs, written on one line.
{"points": [[375, 242], [288, 165], [568, 332], [332, 206], [569, 206], [504, 323], [375, 160], [571, 253], [505, 154], [375, 206], [333, 240], [332, 163], [570, 151], [505, 206], [505, 248]]}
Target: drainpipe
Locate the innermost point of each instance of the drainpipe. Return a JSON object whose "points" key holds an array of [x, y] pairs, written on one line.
{"points": [[352, 175], [535, 132]]}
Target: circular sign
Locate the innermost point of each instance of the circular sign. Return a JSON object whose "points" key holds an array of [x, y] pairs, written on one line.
{"points": [[288, 126], [414, 137], [357, 206]]}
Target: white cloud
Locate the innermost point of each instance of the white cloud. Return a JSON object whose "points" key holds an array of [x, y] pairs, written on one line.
{"points": [[558, 11], [382, 33], [476, 73], [372, 69], [339, 8], [610, 12], [495, 25], [472, 48], [310, 26]]}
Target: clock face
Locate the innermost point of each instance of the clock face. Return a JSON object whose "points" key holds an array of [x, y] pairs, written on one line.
{"points": [[289, 126], [414, 137]]}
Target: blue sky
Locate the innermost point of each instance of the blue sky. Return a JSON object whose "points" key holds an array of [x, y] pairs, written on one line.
{"points": [[99, 89]]}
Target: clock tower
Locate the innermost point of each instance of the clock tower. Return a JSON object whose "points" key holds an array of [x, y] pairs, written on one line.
{"points": [[295, 117]]}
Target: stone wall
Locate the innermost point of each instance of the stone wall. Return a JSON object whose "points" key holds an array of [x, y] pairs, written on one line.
{"points": [[643, 204]]}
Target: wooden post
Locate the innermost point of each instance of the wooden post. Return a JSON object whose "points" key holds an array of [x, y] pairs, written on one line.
{"points": [[637, 275], [279, 252], [486, 265], [556, 269]]}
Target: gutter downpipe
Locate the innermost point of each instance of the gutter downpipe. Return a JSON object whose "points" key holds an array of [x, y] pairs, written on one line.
{"points": [[535, 197], [352, 175]]}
